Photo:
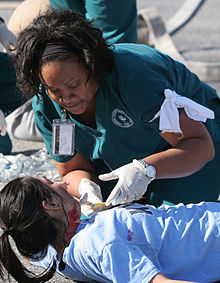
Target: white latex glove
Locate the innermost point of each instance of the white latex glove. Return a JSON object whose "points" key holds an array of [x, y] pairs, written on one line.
{"points": [[3, 124], [7, 38], [132, 184], [90, 193]]}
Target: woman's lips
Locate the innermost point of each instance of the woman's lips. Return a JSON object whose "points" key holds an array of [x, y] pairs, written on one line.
{"points": [[71, 106]]}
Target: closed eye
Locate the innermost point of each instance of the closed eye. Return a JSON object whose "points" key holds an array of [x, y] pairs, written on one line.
{"points": [[73, 86], [48, 181], [54, 91]]}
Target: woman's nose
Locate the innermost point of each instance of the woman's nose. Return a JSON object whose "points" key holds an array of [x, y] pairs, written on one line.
{"points": [[66, 98]]}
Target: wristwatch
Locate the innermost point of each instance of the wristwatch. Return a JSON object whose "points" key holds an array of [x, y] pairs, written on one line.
{"points": [[149, 170]]}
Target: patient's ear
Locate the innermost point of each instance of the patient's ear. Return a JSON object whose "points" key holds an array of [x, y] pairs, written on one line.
{"points": [[50, 206]]}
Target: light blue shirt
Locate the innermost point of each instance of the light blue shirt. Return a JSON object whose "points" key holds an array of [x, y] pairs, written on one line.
{"points": [[134, 243]]}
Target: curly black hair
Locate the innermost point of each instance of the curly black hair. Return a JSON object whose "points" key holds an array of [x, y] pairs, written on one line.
{"points": [[70, 28]]}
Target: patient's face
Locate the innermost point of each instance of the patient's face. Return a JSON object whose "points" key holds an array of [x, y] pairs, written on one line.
{"points": [[72, 205]]}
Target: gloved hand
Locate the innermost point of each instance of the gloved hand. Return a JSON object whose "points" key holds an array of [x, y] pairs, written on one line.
{"points": [[132, 184], [90, 193], [7, 38], [3, 124]]}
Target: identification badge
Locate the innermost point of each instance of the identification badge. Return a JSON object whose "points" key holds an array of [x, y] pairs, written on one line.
{"points": [[63, 136]]}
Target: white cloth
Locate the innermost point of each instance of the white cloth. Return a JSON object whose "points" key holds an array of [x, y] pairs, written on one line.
{"points": [[131, 186], [7, 38], [90, 193], [169, 115], [3, 124]]}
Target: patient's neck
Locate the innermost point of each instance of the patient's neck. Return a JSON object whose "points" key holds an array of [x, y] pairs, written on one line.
{"points": [[73, 223], [67, 231]]}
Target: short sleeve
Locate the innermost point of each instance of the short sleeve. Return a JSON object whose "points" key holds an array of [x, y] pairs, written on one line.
{"points": [[145, 82], [127, 263]]}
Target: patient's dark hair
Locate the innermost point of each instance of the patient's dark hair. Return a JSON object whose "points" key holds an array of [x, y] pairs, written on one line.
{"points": [[32, 229], [82, 38]]}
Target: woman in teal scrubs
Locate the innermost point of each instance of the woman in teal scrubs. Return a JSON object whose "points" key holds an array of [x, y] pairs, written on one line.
{"points": [[140, 117]]}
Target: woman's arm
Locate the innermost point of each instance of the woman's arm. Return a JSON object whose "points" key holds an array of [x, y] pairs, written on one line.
{"points": [[74, 170], [189, 152], [160, 278]]}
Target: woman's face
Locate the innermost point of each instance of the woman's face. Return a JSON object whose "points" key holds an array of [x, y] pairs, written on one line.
{"points": [[67, 85], [60, 188]]}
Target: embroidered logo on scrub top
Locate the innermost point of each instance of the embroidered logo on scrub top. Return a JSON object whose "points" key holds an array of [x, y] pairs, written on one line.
{"points": [[121, 119]]}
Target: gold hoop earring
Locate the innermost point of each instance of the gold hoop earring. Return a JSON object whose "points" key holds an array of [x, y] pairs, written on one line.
{"points": [[60, 99]]}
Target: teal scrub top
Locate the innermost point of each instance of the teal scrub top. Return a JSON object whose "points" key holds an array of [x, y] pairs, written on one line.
{"points": [[117, 19], [127, 100]]}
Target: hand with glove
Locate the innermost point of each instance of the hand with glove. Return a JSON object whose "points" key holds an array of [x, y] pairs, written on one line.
{"points": [[7, 38], [132, 183], [90, 193], [3, 124]]}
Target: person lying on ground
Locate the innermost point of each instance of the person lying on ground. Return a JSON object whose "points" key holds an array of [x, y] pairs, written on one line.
{"points": [[128, 243]]}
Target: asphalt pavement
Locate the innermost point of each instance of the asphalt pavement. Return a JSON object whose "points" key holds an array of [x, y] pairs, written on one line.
{"points": [[197, 40]]}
